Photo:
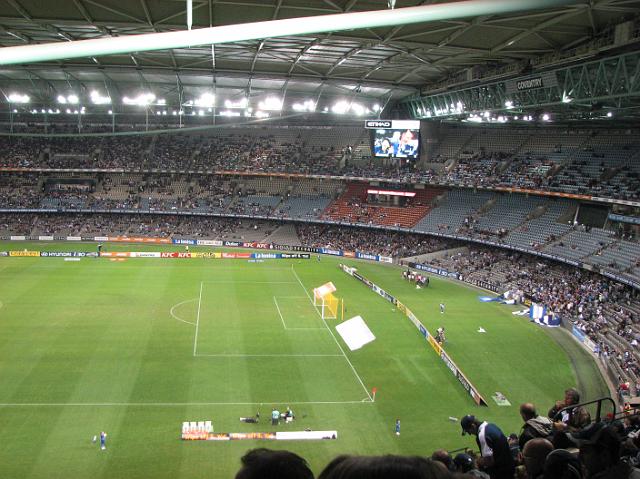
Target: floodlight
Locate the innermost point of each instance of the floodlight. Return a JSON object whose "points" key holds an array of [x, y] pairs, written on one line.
{"points": [[340, 108], [98, 99], [271, 104], [240, 104], [307, 105], [18, 98], [205, 100], [358, 109], [143, 99]]}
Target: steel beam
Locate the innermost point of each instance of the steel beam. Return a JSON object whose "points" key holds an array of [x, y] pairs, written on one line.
{"points": [[612, 82], [269, 29]]}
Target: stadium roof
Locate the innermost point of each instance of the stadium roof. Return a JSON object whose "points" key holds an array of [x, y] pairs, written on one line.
{"points": [[377, 64]]}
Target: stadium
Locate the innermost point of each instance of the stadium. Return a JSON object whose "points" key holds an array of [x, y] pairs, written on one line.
{"points": [[345, 231]]}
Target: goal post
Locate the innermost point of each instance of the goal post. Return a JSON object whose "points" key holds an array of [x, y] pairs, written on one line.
{"points": [[327, 304]]}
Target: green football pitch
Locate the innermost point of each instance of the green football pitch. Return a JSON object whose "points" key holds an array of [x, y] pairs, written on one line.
{"points": [[136, 347]]}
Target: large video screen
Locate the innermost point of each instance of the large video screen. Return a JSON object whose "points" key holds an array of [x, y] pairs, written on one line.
{"points": [[401, 139]]}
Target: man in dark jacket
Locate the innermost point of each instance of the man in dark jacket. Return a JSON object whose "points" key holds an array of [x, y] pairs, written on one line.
{"points": [[534, 425], [496, 457]]}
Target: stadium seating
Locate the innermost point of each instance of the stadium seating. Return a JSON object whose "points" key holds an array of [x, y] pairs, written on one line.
{"points": [[604, 163]]}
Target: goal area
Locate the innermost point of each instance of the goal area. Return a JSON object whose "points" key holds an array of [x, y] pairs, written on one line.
{"points": [[324, 300]]}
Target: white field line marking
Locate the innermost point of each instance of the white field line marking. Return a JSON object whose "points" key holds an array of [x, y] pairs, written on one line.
{"points": [[282, 318], [172, 404], [241, 355], [172, 309], [332, 335], [195, 339], [284, 325]]}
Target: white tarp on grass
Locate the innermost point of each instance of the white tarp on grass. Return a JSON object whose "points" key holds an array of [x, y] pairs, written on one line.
{"points": [[355, 333]]}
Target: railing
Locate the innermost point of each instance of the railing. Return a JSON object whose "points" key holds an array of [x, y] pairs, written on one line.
{"points": [[599, 405]]}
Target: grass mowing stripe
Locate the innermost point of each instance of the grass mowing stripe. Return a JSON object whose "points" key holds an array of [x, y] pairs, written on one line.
{"points": [[332, 335]]}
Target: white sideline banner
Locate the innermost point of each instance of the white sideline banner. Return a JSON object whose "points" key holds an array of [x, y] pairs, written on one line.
{"points": [[209, 242], [355, 333], [17, 238], [145, 254], [45, 238], [302, 435], [74, 238], [101, 238]]}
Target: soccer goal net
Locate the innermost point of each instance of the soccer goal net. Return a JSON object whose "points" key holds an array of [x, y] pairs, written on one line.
{"points": [[325, 301]]}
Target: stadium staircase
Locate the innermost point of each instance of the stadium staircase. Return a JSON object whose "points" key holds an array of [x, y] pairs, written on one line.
{"points": [[285, 234], [352, 206]]}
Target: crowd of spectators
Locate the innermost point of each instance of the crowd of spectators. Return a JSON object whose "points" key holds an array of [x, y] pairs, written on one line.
{"points": [[134, 225], [555, 167], [316, 199], [385, 243]]}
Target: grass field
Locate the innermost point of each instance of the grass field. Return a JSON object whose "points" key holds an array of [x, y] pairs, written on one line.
{"points": [[137, 347]]}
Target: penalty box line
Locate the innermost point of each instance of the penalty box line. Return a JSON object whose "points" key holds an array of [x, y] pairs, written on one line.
{"points": [[332, 335], [284, 324], [238, 355]]}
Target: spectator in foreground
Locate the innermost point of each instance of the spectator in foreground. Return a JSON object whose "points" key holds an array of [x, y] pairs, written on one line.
{"points": [[601, 457], [534, 455], [465, 464], [562, 464], [534, 425], [264, 463], [496, 457], [571, 419], [384, 467], [443, 456]]}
